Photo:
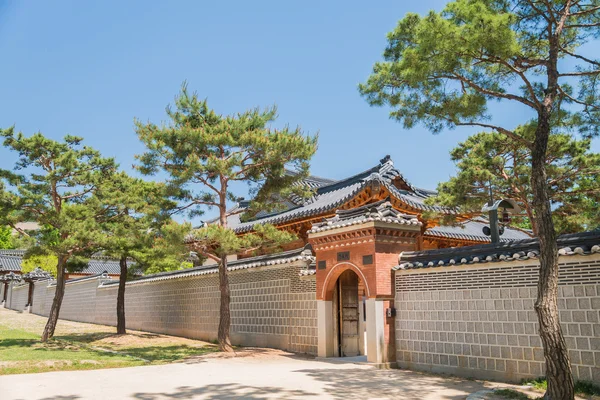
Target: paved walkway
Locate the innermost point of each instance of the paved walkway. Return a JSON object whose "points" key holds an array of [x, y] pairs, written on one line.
{"points": [[256, 374]]}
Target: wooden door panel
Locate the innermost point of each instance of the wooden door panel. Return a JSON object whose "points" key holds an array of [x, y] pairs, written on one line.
{"points": [[349, 314]]}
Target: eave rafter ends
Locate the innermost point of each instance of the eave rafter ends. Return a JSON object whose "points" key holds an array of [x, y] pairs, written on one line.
{"points": [[582, 244]]}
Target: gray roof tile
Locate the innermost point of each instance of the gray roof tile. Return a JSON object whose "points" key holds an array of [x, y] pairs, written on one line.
{"points": [[95, 265], [330, 196], [585, 243], [381, 211], [10, 263], [473, 230]]}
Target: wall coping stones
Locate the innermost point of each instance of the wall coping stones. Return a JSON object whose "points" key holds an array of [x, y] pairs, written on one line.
{"points": [[304, 254], [585, 243], [102, 275]]}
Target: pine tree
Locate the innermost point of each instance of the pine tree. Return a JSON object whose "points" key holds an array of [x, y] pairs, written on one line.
{"points": [[57, 190], [493, 161], [139, 230], [204, 153], [443, 69]]}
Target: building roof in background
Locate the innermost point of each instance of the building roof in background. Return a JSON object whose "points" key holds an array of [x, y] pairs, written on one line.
{"points": [[473, 230], [10, 260], [330, 195], [585, 243], [11, 252], [10, 263]]}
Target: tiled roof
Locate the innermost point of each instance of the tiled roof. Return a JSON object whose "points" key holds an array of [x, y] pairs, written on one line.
{"points": [[312, 182], [301, 254], [95, 265], [37, 274], [329, 197], [10, 263], [316, 181], [381, 211], [10, 252], [473, 230], [585, 243], [308, 272], [11, 276]]}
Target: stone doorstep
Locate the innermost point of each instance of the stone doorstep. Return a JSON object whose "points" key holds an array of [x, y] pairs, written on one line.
{"points": [[358, 360]]}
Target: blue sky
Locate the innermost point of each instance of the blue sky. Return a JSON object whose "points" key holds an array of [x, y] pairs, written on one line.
{"points": [[89, 68]]}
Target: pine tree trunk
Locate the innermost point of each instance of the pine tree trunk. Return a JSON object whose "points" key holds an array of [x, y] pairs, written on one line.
{"points": [[224, 312], [57, 302], [558, 366], [121, 297]]}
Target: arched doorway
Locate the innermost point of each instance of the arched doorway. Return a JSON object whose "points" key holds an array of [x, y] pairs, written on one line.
{"points": [[348, 315]]}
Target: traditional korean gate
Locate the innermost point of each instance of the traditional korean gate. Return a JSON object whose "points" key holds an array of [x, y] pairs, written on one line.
{"points": [[348, 314]]}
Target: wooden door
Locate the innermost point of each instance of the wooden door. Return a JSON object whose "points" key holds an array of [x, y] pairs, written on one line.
{"points": [[348, 292]]}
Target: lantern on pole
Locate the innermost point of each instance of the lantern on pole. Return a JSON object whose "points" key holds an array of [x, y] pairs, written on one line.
{"points": [[508, 207]]}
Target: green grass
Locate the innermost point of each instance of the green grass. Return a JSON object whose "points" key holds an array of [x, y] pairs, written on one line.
{"points": [[22, 352], [537, 383], [511, 394], [583, 388]]}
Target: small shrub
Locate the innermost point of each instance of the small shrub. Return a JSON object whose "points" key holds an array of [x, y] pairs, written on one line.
{"points": [[587, 388]]}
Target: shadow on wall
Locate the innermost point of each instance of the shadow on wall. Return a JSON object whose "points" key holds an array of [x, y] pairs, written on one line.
{"points": [[226, 391]]}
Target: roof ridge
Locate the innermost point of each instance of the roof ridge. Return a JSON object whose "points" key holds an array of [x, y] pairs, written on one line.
{"points": [[360, 176]]}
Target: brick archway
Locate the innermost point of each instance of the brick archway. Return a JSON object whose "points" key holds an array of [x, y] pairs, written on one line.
{"points": [[334, 274]]}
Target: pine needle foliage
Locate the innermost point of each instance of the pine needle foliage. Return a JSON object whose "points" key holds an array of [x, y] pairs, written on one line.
{"points": [[54, 183], [492, 159], [204, 153], [443, 69]]}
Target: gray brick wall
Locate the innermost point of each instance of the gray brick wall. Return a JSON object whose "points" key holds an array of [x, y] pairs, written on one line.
{"points": [[79, 302], [270, 306], [17, 299], [40, 296], [479, 321]]}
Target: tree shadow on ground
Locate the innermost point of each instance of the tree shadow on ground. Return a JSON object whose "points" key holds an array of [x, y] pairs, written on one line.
{"points": [[168, 353], [212, 351], [227, 391], [391, 384], [18, 342], [90, 337]]}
